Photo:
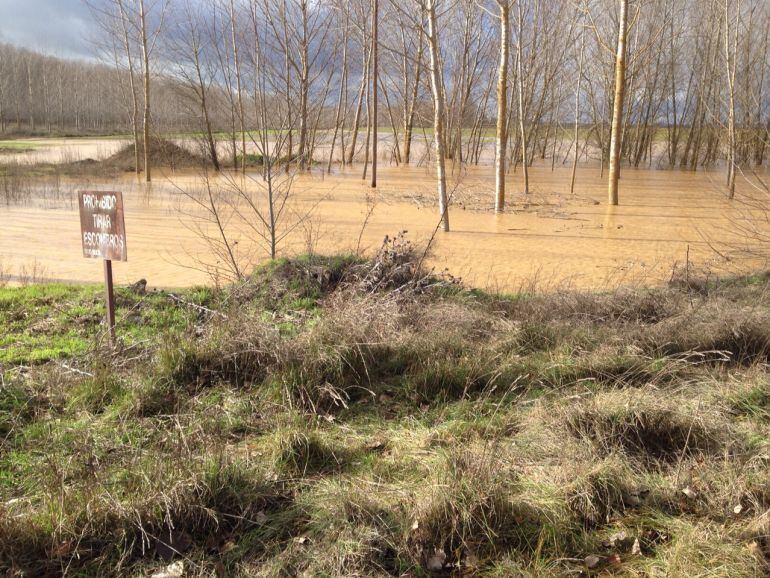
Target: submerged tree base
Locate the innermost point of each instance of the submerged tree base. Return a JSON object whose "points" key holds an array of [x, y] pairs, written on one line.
{"points": [[331, 416]]}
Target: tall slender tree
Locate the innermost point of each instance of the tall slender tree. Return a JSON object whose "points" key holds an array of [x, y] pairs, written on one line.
{"points": [[617, 108], [439, 115], [502, 105], [375, 87]]}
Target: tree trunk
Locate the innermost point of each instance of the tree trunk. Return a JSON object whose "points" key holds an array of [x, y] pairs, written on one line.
{"points": [[412, 105], [524, 161], [341, 94], [132, 86], [502, 107], [577, 112], [359, 106], [375, 89], [438, 113], [236, 61], [304, 90], [617, 111], [146, 70], [31, 100], [732, 65]]}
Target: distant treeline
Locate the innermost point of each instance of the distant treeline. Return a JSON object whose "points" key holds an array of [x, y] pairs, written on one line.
{"points": [[42, 94]]}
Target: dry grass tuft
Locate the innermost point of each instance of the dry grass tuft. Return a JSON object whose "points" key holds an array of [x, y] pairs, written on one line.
{"points": [[647, 429]]}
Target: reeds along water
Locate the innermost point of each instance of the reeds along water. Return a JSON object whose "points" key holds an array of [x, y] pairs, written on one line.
{"points": [[19, 187]]}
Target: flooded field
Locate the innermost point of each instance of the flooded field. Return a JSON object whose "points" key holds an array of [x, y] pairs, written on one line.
{"points": [[61, 150], [665, 219]]}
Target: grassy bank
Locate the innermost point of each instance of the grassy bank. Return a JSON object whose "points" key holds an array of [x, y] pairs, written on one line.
{"points": [[336, 417]]}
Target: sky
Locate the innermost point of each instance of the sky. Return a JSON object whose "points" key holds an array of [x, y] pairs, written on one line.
{"points": [[57, 27]]}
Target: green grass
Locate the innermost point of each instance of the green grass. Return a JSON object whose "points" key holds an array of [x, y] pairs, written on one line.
{"points": [[317, 427], [15, 147], [48, 322]]}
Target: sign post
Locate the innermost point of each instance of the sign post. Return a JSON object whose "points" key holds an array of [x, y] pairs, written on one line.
{"points": [[103, 234]]}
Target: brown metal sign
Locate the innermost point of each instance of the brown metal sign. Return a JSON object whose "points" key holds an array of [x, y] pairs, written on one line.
{"points": [[102, 228]]}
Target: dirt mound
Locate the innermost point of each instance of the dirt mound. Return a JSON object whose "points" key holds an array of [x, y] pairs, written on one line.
{"points": [[163, 153]]}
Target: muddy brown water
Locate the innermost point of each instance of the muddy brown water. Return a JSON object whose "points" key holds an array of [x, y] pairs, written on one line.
{"points": [[550, 237]]}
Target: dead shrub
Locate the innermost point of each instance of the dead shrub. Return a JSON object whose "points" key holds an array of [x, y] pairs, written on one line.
{"points": [[398, 267], [467, 321], [439, 377], [240, 352], [619, 307]]}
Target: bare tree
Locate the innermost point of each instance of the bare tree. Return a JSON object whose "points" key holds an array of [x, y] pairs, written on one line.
{"points": [[731, 64], [146, 75], [127, 47], [189, 49], [439, 116], [520, 75], [576, 136], [617, 111], [375, 87], [341, 97], [502, 106], [237, 62]]}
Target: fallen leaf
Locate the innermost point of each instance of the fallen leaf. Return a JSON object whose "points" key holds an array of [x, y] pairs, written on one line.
{"points": [[592, 561], [471, 560], [416, 525], [756, 549], [175, 570], [261, 518], [615, 539], [376, 444], [228, 546], [636, 549], [63, 549], [436, 562], [689, 492], [614, 560]]}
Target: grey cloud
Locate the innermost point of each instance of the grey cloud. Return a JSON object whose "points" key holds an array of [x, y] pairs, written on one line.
{"points": [[62, 28]]}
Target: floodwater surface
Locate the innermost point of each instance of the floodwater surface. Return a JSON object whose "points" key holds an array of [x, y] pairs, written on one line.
{"points": [[549, 238]]}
